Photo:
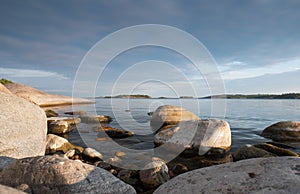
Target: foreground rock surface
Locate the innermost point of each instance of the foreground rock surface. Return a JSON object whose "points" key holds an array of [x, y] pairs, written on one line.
{"points": [[4, 89], [42, 98], [8, 190], [199, 136], [52, 174], [170, 115], [283, 131], [263, 175], [23, 128]]}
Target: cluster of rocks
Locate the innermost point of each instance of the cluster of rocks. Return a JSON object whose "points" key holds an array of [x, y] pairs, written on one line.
{"points": [[35, 158]]}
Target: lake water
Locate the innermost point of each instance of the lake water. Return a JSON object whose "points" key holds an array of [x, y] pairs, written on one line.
{"points": [[247, 118]]}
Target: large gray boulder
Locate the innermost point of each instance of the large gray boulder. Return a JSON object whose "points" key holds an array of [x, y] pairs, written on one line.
{"points": [[283, 131], [263, 175], [199, 136], [54, 174], [23, 128], [170, 115]]}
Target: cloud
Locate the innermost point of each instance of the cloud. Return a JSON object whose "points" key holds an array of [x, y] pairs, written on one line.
{"points": [[270, 69], [29, 73]]}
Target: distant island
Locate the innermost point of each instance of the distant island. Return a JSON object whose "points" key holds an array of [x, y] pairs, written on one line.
{"points": [[127, 96], [256, 96]]}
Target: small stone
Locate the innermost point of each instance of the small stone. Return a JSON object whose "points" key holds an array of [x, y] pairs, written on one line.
{"points": [[154, 174], [59, 127], [91, 154], [113, 171], [120, 154], [114, 160], [70, 153]]}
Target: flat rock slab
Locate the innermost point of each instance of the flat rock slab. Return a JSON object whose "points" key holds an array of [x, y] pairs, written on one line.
{"points": [[53, 174], [262, 175], [43, 99]]}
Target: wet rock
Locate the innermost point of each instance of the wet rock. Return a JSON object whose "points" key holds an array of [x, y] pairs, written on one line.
{"points": [[275, 150], [80, 113], [249, 151], [170, 115], [70, 120], [179, 168], [23, 127], [55, 143], [283, 131], [261, 175], [91, 154], [59, 128], [96, 119], [104, 165], [154, 174], [120, 154], [50, 174], [116, 133], [50, 113], [9, 190], [198, 137], [128, 176]]}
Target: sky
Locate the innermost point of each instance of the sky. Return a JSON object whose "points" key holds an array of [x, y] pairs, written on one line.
{"points": [[254, 44]]}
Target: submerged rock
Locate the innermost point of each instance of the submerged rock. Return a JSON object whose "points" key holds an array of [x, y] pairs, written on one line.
{"points": [[115, 133], [263, 175], [51, 174], [96, 119], [170, 115], [80, 113], [283, 131], [23, 127], [51, 113]]}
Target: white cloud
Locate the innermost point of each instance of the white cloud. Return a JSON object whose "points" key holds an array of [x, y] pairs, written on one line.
{"points": [[271, 69], [30, 73]]}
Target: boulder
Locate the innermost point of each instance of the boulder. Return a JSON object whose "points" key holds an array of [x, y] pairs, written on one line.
{"points": [[170, 115], [283, 131], [249, 151], [198, 136], [96, 119], [9, 190], [52, 174], [154, 174], [55, 143], [261, 175], [23, 127]]}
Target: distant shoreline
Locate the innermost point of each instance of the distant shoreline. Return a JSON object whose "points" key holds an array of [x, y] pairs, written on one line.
{"points": [[223, 96]]}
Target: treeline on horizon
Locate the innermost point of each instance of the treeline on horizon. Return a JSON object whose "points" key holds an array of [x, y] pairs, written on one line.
{"points": [[257, 96]]}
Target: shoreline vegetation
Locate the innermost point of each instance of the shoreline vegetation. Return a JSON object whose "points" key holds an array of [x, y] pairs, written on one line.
{"points": [[221, 96]]}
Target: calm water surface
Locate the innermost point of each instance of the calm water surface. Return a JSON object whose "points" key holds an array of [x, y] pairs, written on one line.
{"points": [[247, 118]]}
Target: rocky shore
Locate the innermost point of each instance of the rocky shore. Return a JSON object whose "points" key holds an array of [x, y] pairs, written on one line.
{"points": [[36, 158]]}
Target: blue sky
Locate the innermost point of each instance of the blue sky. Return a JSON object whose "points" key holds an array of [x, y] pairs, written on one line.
{"points": [[255, 43]]}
